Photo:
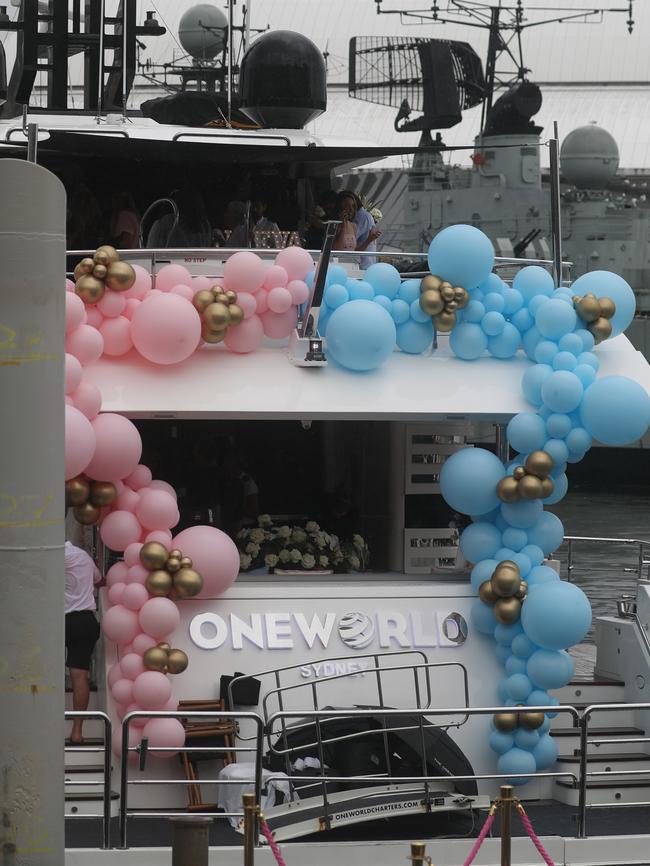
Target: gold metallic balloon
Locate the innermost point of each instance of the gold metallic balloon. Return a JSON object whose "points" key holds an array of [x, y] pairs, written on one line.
{"points": [[523, 589], [505, 582], [505, 722], [221, 298], [486, 593], [90, 289], [159, 582], [430, 282], [539, 463], [210, 336], [216, 316], [451, 305], [102, 493], [155, 659], [461, 297], [153, 555], [232, 297], [85, 266], [447, 291], [518, 473], [86, 514], [547, 487], [177, 661], [176, 552], [236, 314], [120, 276], [164, 645], [106, 254], [100, 272], [507, 610], [508, 489], [187, 583], [575, 299], [202, 299], [445, 321], [607, 307], [530, 487], [431, 302], [588, 309], [531, 721], [77, 490], [173, 564], [186, 562], [601, 329]]}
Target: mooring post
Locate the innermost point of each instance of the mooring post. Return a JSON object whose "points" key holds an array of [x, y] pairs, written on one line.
{"points": [[250, 825], [190, 840], [506, 824]]}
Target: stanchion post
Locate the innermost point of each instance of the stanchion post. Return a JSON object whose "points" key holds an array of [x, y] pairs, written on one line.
{"points": [[419, 854], [251, 814], [506, 823]]}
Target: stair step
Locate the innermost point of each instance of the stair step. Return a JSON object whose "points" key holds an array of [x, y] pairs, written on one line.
{"points": [[609, 758], [590, 692], [606, 791], [600, 784], [89, 803], [569, 739], [72, 769], [89, 753], [602, 732], [603, 718]]}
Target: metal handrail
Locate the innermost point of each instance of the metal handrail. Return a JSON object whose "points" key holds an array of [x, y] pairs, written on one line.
{"points": [[642, 543], [106, 781]]}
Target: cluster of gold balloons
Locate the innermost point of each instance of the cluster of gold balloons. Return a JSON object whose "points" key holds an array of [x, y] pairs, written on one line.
{"points": [[595, 313], [170, 573], [218, 310], [440, 300], [530, 481], [165, 659], [88, 497], [507, 722], [103, 271], [505, 590]]}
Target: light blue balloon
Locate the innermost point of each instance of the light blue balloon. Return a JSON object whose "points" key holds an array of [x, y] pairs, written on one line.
{"points": [[547, 533], [586, 374], [515, 539], [493, 323], [480, 541], [616, 410], [492, 283], [539, 698], [513, 299], [555, 319], [384, 279], [588, 341], [336, 274], [488, 517], [481, 572], [523, 514], [323, 319], [360, 290], [557, 470], [504, 553], [409, 291], [590, 359], [500, 522], [556, 615], [503, 697], [505, 633], [468, 480], [501, 742], [562, 391], [578, 440], [400, 311], [534, 553], [525, 739], [558, 451], [605, 284], [414, 337], [335, 295], [506, 343], [526, 432], [502, 652], [545, 752], [564, 361], [541, 574], [560, 487], [384, 302], [519, 687], [514, 666], [558, 425], [461, 254], [522, 647], [545, 351], [533, 280], [530, 340], [532, 381], [474, 312], [536, 303], [360, 336], [524, 564], [309, 279], [522, 320], [418, 314], [468, 341], [482, 618], [514, 762], [571, 343], [564, 296], [494, 302], [550, 669]]}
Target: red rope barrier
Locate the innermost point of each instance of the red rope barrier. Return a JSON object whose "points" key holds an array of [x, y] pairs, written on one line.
{"points": [[273, 845], [525, 820], [481, 837]]}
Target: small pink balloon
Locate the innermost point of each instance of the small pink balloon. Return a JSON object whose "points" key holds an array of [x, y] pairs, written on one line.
{"points": [[119, 529], [200, 284], [93, 317], [130, 307], [246, 337], [122, 691], [118, 449], [279, 325], [115, 592], [172, 275], [69, 286], [136, 723], [117, 336], [184, 291], [159, 617], [159, 484], [132, 554], [134, 597], [132, 666], [141, 285], [279, 300], [127, 500], [248, 303], [116, 574], [142, 643], [80, 442], [128, 648], [161, 536], [214, 555], [112, 304], [243, 272], [114, 674], [296, 262], [88, 399], [151, 690], [262, 301], [275, 276], [73, 373], [75, 312], [140, 477], [120, 625], [166, 329], [137, 574], [86, 344], [134, 735], [299, 291], [164, 733], [157, 509]]}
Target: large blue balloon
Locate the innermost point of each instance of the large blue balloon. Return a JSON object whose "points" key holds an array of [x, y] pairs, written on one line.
{"points": [[616, 410], [550, 669], [562, 391], [360, 335], [514, 762], [545, 752], [605, 284], [414, 337], [468, 341], [526, 432], [556, 615], [461, 254], [547, 533], [384, 278], [533, 280], [480, 541], [468, 479]]}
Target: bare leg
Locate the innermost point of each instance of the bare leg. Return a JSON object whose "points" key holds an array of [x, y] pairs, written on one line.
{"points": [[80, 700]]}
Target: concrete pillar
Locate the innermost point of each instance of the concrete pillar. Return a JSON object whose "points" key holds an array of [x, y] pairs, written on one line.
{"points": [[32, 346]]}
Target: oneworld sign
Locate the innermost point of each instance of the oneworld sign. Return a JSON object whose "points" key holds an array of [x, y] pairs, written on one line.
{"points": [[356, 630]]}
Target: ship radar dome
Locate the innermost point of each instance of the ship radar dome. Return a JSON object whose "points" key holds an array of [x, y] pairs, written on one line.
{"points": [[282, 81], [202, 31], [589, 157]]}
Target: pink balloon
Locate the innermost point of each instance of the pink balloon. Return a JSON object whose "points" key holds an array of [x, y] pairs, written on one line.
{"points": [[296, 262], [141, 285], [117, 336], [122, 691], [214, 555], [135, 735], [279, 300], [135, 595], [127, 500], [138, 574], [172, 275], [132, 554], [128, 648], [184, 291], [262, 300], [132, 666], [112, 304], [142, 643], [299, 291], [68, 400], [114, 674], [88, 399], [86, 344], [119, 529], [69, 286], [279, 325], [160, 616], [80, 442], [118, 450], [140, 477], [162, 536], [116, 591], [136, 723], [151, 690], [248, 303], [157, 509], [243, 272], [159, 484], [275, 276], [246, 337], [164, 733], [93, 317], [200, 284], [166, 329], [75, 312], [120, 625], [73, 373], [116, 574], [130, 307]]}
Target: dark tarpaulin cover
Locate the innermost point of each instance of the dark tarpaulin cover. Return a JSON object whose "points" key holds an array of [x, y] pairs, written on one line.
{"points": [[196, 109]]}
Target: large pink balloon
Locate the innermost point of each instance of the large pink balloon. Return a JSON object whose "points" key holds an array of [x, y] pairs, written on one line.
{"points": [[151, 690], [160, 616], [73, 373], [164, 733], [143, 642], [157, 509], [86, 344], [296, 262], [135, 596], [75, 312], [172, 275], [119, 529], [141, 286], [275, 276], [279, 325], [112, 304], [214, 555], [120, 624], [118, 450], [166, 328], [243, 272], [88, 399], [116, 574], [246, 336], [80, 442], [117, 336], [122, 691]]}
